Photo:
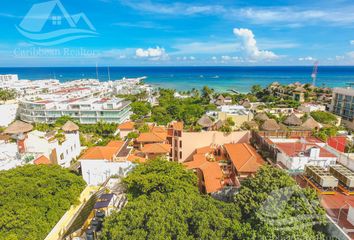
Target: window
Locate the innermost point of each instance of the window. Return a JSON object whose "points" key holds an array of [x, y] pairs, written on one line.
{"points": [[56, 20], [180, 155], [180, 144], [62, 156]]}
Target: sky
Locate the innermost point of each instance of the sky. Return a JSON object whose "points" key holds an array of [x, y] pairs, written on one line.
{"points": [[176, 33]]}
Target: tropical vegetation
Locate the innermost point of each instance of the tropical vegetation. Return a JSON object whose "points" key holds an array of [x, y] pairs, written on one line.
{"points": [[34, 198], [164, 203]]}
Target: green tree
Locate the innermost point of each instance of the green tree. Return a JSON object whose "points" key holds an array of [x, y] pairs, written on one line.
{"points": [[7, 94], [141, 109], [164, 203], [34, 198], [297, 213]]}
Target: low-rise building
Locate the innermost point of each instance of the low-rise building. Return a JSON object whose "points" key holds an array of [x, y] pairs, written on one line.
{"points": [[99, 163], [311, 107], [295, 154], [218, 167], [125, 128], [239, 114]]}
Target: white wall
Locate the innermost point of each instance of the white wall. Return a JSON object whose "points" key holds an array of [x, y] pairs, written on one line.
{"points": [[69, 149], [96, 172], [8, 114], [298, 163]]}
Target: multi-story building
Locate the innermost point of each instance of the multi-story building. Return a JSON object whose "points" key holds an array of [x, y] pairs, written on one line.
{"points": [[343, 103], [86, 111]]}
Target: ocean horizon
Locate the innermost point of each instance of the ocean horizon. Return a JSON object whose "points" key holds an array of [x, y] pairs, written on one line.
{"points": [[185, 78]]}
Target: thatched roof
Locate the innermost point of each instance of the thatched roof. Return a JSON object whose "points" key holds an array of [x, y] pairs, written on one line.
{"points": [[251, 124], [293, 120], [205, 122], [270, 125], [311, 123], [299, 89], [18, 127], [247, 104], [261, 117], [69, 126], [221, 97], [218, 124]]}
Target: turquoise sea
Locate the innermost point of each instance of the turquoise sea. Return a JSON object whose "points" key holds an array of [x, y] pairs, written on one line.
{"points": [[185, 78]]}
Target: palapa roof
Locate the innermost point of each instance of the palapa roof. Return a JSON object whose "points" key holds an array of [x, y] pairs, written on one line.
{"points": [[252, 124], [293, 120], [299, 89], [18, 127], [205, 122], [311, 123], [69, 126], [261, 117], [270, 125], [218, 124], [221, 97]]}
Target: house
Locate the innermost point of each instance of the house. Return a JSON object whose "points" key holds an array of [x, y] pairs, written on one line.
{"points": [[209, 173], [245, 160], [125, 128], [218, 167], [154, 150], [101, 162], [59, 148]]}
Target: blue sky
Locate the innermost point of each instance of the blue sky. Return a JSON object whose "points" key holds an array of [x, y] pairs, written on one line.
{"points": [[187, 33]]}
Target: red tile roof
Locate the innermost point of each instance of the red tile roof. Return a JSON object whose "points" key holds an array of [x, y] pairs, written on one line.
{"points": [[156, 134], [126, 126], [134, 158], [42, 160], [244, 157], [212, 173], [156, 148], [103, 153], [294, 148]]}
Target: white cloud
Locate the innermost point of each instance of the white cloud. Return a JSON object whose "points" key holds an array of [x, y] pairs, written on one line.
{"points": [[351, 54], [151, 53], [352, 42], [309, 58], [206, 47], [249, 45]]}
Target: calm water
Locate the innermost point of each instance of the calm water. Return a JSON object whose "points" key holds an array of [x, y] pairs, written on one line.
{"points": [[185, 78]]}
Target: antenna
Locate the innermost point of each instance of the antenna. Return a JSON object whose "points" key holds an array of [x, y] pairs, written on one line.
{"points": [[96, 71], [109, 74], [314, 73]]}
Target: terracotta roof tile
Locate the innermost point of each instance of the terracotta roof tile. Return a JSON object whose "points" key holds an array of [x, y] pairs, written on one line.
{"points": [[156, 134], [244, 157], [212, 173], [156, 148], [42, 160], [126, 126], [103, 153]]}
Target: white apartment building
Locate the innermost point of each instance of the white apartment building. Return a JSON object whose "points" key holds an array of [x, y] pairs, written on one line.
{"points": [[238, 113], [86, 111]]}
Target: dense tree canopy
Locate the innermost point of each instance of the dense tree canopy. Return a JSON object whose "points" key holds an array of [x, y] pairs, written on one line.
{"points": [[276, 207], [7, 94], [34, 198], [164, 203], [188, 110]]}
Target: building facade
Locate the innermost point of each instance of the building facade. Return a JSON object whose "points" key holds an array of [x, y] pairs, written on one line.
{"points": [[85, 111]]}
